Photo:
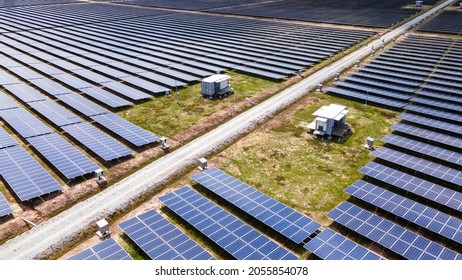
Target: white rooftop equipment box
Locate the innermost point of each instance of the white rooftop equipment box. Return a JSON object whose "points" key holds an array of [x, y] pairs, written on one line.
{"points": [[216, 86]]}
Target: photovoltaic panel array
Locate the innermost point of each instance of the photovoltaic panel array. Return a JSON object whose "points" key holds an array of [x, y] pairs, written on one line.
{"points": [[420, 165], [5, 208], [6, 102], [414, 212], [285, 220], [26, 124], [66, 158], [125, 129], [390, 235], [330, 245], [423, 188], [55, 113], [430, 122], [24, 174], [6, 140], [109, 249], [161, 240], [25, 93], [227, 231]]}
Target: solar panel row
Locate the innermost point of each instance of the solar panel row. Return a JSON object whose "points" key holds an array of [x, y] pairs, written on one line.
{"points": [[227, 231], [390, 235], [5, 208], [330, 245], [267, 210], [106, 250], [161, 240]]}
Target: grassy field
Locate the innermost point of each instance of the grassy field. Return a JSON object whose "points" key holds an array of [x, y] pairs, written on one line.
{"points": [[164, 116], [286, 162]]}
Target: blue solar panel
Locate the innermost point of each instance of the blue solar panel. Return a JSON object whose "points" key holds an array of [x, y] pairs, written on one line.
{"points": [[6, 102], [161, 240], [127, 91], [106, 97], [227, 231], [7, 79], [55, 113], [5, 208], [421, 165], [419, 214], [24, 175], [82, 105], [369, 97], [125, 129], [373, 90], [106, 250], [430, 150], [330, 245], [50, 87], [267, 210], [25, 93], [431, 123], [392, 236], [435, 113], [62, 155], [6, 140], [428, 135], [72, 81], [98, 142], [26, 124], [437, 103], [415, 185], [26, 73]]}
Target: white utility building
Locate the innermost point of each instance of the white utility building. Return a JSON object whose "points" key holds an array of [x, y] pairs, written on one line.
{"points": [[330, 121]]}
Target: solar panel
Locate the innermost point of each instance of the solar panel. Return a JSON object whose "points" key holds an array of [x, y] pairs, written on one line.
{"points": [[82, 105], [98, 142], [106, 97], [161, 240], [5, 208], [24, 175], [431, 123], [50, 87], [6, 140], [109, 249], [285, 220], [415, 185], [369, 97], [92, 76], [62, 155], [127, 91], [421, 165], [437, 103], [330, 245], [145, 85], [6, 102], [227, 231], [26, 73], [25, 93], [125, 129], [435, 113], [55, 113], [428, 135], [72, 81], [390, 235], [414, 212], [424, 148], [7, 79], [26, 124]]}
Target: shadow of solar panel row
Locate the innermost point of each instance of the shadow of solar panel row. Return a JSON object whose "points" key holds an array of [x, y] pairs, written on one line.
{"points": [[285, 220], [330, 245], [420, 187], [425, 149], [227, 231], [424, 166], [390, 235], [24, 175], [449, 22], [414, 212], [5, 208], [6, 140], [431, 123], [161, 240], [61, 154], [109, 249]]}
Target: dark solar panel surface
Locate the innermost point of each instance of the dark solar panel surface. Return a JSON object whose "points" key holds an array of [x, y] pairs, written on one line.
{"points": [[106, 250]]}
